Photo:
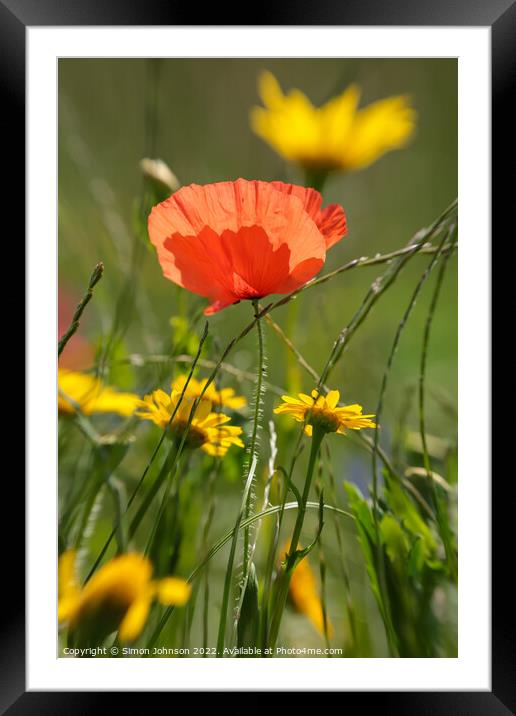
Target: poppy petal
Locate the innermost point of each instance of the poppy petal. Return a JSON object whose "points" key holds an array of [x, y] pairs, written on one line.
{"points": [[230, 241], [257, 267], [330, 221], [332, 224]]}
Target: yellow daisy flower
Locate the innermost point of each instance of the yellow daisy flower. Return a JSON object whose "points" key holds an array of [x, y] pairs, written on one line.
{"points": [[304, 595], [117, 597], [324, 413], [208, 430], [87, 393], [335, 136], [225, 397]]}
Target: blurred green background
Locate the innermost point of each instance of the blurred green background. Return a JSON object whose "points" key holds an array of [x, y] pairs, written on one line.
{"points": [[194, 114]]}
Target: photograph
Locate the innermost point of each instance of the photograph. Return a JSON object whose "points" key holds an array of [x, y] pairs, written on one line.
{"points": [[257, 358]]}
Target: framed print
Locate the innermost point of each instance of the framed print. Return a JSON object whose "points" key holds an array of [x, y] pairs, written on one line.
{"points": [[268, 466]]}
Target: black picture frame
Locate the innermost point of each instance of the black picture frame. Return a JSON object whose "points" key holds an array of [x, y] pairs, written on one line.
{"points": [[500, 15]]}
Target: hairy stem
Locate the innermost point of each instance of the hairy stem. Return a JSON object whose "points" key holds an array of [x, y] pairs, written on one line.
{"points": [[253, 446]]}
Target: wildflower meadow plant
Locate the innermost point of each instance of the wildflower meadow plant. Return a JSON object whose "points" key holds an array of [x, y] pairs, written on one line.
{"points": [[337, 136], [207, 430], [240, 240], [204, 502], [119, 596], [87, 393]]}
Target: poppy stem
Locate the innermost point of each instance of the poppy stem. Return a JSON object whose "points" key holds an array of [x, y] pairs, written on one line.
{"points": [[249, 468], [253, 446]]}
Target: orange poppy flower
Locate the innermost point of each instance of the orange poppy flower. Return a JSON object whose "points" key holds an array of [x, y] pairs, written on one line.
{"points": [[238, 240]]}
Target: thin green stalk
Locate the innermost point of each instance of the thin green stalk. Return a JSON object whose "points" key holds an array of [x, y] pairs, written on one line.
{"points": [[317, 378], [390, 361], [117, 491], [106, 459], [322, 561], [265, 503], [273, 541], [340, 543], [263, 635], [230, 535], [376, 289], [138, 360], [271, 557], [156, 450], [253, 445], [166, 472], [418, 243], [292, 351], [94, 279], [293, 373], [209, 381], [324, 608], [315, 178], [366, 262], [379, 549], [88, 508], [206, 591], [231, 560], [290, 562], [251, 457], [76, 492], [440, 518]]}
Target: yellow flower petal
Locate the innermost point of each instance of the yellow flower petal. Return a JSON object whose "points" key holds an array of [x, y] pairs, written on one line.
{"points": [[230, 400], [173, 590], [207, 429], [309, 399], [68, 587], [332, 399], [305, 597], [134, 620], [67, 580], [215, 419], [323, 411], [68, 607], [87, 393], [119, 595], [293, 401], [270, 90], [214, 450], [224, 398], [335, 136]]}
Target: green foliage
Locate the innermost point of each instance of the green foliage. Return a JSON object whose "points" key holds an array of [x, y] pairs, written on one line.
{"points": [[121, 372], [405, 567], [183, 339], [249, 618]]}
